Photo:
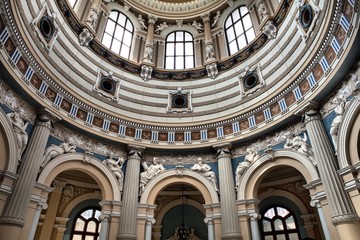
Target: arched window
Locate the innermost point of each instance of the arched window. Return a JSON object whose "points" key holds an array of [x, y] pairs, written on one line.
{"points": [[86, 225], [239, 29], [278, 222], [179, 52], [73, 3], [118, 34]]}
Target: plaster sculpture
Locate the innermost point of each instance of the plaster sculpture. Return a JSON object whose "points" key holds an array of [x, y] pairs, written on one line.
{"points": [[115, 167], [205, 170], [150, 172], [161, 27], [141, 22], [299, 144], [19, 126], [242, 166], [53, 151]]}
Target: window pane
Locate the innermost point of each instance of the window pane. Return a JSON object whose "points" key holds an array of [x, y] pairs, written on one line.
{"points": [[127, 38], [125, 51], [188, 37], [189, 49], [266, 226], [97, 214], [269, 238], [170, 37], [79, 226], [238, 28], [113, 15], [280, 237], [293, 236], [290, 223], [235, 15], [89, 238], [72, 3], [179, 49], [243, 11], [247, 22], [115, 47], [282, 211], [87, 214], [233, 47], [169, 63], [241, 41], [107, 40], [228, 22], [270, 213], [119, 32], [179, 62], [278, 225], [230, 34], [129, 26], [189, 62], [122, 20], [76, 237], [170, 49], [91, 227], [179, 36], [110, 26], [250, 34]]}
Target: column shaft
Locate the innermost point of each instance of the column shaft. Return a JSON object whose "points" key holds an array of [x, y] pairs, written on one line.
{"points": [[230, 220], [254, 226], [128, 218], [149, 45]]}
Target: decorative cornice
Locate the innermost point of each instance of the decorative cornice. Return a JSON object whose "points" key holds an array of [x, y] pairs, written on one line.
{"points": [[345, 219]]}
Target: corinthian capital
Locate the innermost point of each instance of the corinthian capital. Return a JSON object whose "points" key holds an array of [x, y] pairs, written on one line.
{"points": [[152, 19], [223, 150]]}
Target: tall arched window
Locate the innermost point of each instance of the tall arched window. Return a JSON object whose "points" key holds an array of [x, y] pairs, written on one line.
{"points": [[73, 3], [87, 225], [179, 52], [118, 34], [239, 29], [278, 222]]}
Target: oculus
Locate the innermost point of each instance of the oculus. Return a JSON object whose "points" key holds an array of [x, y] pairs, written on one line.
{"points": [[306, 16], [179, 101], [250, 80], [47, 27], [107, 84]]}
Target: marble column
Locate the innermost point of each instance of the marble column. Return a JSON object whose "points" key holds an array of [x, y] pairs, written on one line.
{"points": [[148, 228], [12, 219], [254, 226], [50, 217], [149, 45], [229, 216], [210, 226], [209, 45], [128, 220], [343, 214], [93, 15], [316, 203], [35, 221], [104, 231]]}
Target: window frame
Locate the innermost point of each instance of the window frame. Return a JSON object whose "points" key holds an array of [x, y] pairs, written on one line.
{"points": [[85, 233], [112, 35], [183, 55], [244, 33], [75, 2], [283, 219]]}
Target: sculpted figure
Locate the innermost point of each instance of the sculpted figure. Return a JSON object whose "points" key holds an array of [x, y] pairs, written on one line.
{"points": [[148, 54], [216, 18], [53, 151], [19, 126], [242, 166], [209, 52], [339, 110], [142, 22], [205, 170], [299, 144], [150, 172], [161, 27], [115, 167], [198, 26], [92, 17]]}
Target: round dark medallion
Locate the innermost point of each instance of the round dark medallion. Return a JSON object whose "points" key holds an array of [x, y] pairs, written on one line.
{"points": [[47, 27], [179, 101], [250, 80], [107, 84], [306, 16]]}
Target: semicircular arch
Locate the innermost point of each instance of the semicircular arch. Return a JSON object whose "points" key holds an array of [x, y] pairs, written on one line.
{"points": [[103, 176], [168, 177], [254, 175]]}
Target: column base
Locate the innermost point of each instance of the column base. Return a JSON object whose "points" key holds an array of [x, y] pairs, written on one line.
{"points": [[232, 236], [348, 231]]}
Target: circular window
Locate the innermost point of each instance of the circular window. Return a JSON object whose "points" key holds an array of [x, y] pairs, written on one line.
{"points": [[179, 101], [306, 16], [250, 80], [107, 84], [47, 27]]}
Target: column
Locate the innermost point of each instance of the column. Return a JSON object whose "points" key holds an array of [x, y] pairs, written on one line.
{"points": [[12, 219], [93, 14], [50, 217], [254, 226], [104, 231], [344, 216], [210, 226], [148, 228], [316, 203], [127, 228], [230, 220], [209, 45], [35, 221], [149, 45]]}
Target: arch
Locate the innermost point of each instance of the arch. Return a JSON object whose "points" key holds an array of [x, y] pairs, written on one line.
{"points": [[189, 177], [10, 144], [76, 201], [349, 130], [228, 11], [103, 176], [112, 6], [253, 176], [173, 28]]}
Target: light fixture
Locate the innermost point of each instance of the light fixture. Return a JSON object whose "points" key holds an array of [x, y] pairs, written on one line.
{"points": [[183, 232]]}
